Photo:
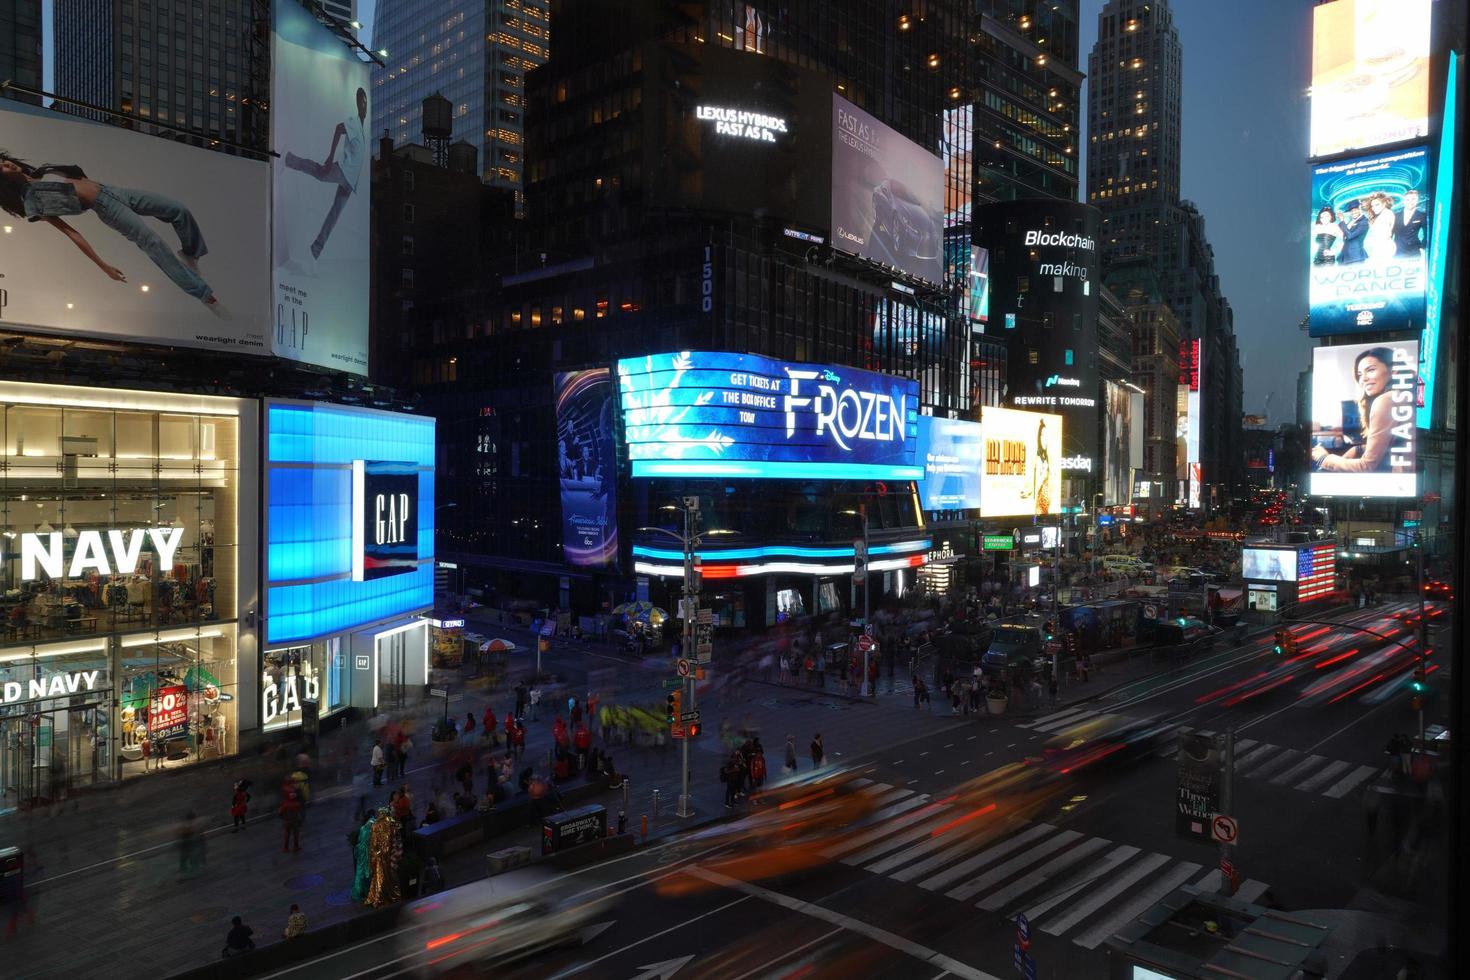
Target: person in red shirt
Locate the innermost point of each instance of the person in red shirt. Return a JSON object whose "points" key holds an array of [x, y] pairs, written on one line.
{"points": [[518, 741], [488, 721], [290, 813]]}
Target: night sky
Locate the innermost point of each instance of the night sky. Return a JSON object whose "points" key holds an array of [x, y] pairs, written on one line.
{"points": [[1247, 66]]}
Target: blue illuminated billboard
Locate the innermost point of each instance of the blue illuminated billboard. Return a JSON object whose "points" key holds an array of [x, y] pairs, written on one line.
{"points": [[708, 414], [952, 451], [1439, 243], [342, 486], [1366, 243]]}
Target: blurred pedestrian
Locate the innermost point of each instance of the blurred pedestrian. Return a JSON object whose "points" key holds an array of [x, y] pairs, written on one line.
{"points": [[818, 753], [791, 753], [379, 762], [290, 814], [520, 711], [191, 844], [730, 775], [469, 723], [405, 748], [295, 922], [240, 804], [757, 766], [535, 700]]}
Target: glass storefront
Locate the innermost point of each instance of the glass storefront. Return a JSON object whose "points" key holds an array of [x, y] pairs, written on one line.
{"points": [[302, 683], [119, 583]]}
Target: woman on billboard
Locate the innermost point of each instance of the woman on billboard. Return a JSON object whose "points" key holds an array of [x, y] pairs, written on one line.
{"points": [[53, 192], [1379, 242], [1327, 234], [1372, 371]]}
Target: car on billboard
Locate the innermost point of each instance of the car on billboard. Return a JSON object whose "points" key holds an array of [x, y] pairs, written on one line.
{"points": [[902, 229]]}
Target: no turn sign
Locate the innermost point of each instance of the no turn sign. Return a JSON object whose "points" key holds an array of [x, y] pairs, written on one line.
{"points": [[1224, 829], [683, 667]]}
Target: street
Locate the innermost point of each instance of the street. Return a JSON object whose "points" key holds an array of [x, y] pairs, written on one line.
{"points": [[928, 881]]}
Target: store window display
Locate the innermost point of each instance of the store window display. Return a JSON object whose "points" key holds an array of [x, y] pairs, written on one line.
{"points": [[176, 699], [302, 683]]}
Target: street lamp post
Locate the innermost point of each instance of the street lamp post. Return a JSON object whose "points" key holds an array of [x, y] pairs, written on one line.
{"points": [[688, 647]]}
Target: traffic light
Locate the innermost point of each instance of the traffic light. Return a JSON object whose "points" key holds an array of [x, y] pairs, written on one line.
{"points": [[691, 730], [1283, 637], [1417, 685], [675, 705]]}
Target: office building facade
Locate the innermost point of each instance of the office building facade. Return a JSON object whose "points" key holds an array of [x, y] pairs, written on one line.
{"points": [[476, 53]]}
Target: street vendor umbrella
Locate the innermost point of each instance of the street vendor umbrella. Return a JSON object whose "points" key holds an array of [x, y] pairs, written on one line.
{"points": [[645, 612], [498, 645]]}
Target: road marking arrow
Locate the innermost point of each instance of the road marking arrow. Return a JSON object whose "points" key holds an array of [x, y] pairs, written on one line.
{"points": [[664, 970], [596, 929]]}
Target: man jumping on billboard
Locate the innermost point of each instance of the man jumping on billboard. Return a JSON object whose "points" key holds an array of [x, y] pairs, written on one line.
{"points": [[341, 171], [52, 192]]}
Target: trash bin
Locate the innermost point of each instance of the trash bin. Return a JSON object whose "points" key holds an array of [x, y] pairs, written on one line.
{"points": [[12, 874]]}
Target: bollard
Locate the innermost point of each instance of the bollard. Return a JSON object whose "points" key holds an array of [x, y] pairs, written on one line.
{"points": [[625, 792], [622, 822], [645, 828], [655, 804]]}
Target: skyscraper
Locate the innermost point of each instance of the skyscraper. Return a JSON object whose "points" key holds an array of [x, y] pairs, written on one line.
{"points": [[1135, 72], [476, 54], [180, 64], [20, 45], [1133, 126], [1028, 102]]}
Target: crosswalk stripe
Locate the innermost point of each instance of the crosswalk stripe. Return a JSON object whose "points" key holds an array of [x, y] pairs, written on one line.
{"points": [[1250, 890], [1242, 744], [1314, 783], [1054, 716], [908, 836], [1001, 872], [965, 846], [1286, 758], [951, 874], [1348, 783], [1210, 883], [1088, 875], [1251, 757], [1310, 762], [1000, 898], [883, 827], [1130, 910], [1056, 726], [927, 844], [1104, 895]]}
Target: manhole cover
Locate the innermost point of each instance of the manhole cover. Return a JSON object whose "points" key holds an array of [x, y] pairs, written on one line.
{"points": [[340, 898], [209, 914], [303, 882]]}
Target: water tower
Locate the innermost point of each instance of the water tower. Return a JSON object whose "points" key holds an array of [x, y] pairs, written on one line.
{"points": [[463, 157], [438, 125]]}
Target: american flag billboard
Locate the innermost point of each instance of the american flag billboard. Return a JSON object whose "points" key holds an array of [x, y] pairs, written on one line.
{"points": [[1316, 571]]}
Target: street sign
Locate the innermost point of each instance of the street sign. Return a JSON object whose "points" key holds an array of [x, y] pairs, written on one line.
{"points": [[706, 617], [682, 667], [866, 644], [859, 561], [997, 542], [548, 628], [1023, 931], [438, 692], [704, 642], [1227, 869], [1224, 829], [689, 715], [673, 682]]}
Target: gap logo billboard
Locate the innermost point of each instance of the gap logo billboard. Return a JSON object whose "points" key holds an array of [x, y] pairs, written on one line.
{"points": [[708, 414], [349, 535], [384, 518], [1369, 229], [587, 461]]}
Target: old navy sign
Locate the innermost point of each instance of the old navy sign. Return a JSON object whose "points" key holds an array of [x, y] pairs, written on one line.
{"points": [[55, 686], [385, 520], [698, 413], [110, 552]]}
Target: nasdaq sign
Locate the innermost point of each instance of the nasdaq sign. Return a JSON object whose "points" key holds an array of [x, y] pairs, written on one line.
{"points": [[698, 413]]}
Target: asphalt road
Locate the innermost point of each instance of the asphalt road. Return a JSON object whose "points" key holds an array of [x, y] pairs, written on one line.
{"points": [[930, 882]]}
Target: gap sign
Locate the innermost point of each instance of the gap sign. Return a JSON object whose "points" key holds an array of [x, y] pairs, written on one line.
{"points": [[385, 523]]}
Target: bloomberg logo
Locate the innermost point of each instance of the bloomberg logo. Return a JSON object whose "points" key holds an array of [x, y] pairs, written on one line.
{"points": [[1058, 239]]}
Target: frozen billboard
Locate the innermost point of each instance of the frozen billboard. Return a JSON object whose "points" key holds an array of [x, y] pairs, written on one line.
{"points": [[112, 233], [887, 195], [320, 178]]}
